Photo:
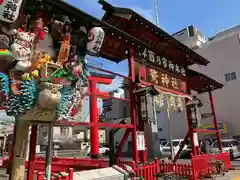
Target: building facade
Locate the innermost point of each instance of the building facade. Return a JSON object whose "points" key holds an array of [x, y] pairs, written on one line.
{"points": [[117, 110], [223, 52]]}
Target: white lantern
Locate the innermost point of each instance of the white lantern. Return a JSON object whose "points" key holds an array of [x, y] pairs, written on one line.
{"points": [[160, 100], [179, 104], [95, 40], [147, 103], [9, 10], [172, 102]]}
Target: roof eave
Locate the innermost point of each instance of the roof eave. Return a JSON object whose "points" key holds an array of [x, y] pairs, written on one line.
{"points": [[110, 9], [212, 85]]}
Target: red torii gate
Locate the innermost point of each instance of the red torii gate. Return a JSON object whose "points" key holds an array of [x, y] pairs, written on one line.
{"points": [[163, 45]]}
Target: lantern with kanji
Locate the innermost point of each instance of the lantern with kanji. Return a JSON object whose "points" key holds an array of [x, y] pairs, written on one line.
{"points": [[147, 103], [95, 40], [195, 115]]}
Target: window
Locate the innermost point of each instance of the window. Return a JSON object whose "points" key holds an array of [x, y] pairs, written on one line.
{"points": [[230, 76]]}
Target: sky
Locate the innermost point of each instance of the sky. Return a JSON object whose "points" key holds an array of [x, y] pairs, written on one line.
{"points": [[209, 16]]}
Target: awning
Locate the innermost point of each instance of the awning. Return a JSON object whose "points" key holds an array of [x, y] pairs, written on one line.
{"points": [[201, 83]]}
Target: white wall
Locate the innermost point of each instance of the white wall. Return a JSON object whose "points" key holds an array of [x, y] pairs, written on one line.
{"points": [[224, 55], [43, 130], [178, 122]]}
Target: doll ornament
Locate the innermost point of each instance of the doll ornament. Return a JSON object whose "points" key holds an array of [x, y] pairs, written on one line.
{"points": [[21, 49]]}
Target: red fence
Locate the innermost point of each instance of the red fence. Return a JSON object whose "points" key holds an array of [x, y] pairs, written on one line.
{"points": [[202, 164], [63, 164], [148, 170]]}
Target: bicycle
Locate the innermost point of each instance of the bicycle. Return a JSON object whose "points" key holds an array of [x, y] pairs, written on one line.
{"points": [[132, 174], [166, 176], [219, 168]]}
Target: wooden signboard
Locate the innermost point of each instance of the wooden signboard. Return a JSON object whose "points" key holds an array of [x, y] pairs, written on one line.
{"points": [[161, 72], [148, 57], [166, 80]]}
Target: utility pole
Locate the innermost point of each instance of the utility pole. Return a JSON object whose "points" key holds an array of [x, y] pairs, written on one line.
{"points": [[156, 12]]}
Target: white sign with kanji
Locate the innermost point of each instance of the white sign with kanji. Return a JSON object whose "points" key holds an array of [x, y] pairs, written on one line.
{"points": [[9, 10], [140, 141], [195, 140]]}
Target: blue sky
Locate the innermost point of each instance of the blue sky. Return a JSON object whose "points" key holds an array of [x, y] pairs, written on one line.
{"points": [[209, 16]]}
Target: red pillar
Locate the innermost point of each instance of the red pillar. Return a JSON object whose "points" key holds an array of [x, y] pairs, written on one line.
{"points": [[142, 154], [93, 107], [94, 119], [32, 152], [215, 121], [133, 104]]}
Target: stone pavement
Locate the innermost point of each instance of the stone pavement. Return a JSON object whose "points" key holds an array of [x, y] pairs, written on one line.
{"points": [[231, 175]]}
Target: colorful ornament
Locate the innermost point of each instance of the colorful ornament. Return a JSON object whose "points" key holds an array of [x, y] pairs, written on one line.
{"points": [[64, 50], [26, 77], [66, 94], [25, 101], [4, 84]]}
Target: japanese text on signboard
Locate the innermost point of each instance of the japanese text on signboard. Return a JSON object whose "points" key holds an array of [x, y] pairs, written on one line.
{"points": [[161, 62], [166, 80]]}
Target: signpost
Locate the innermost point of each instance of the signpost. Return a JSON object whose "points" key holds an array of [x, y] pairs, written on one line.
{"points": [[140, 141]]}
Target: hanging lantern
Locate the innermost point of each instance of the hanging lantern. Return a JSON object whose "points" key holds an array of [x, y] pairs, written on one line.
{"points": [[179, 104], [147, 103], [160, 100], [12, 15], [172, 102], [195, 115], [95, 40]]}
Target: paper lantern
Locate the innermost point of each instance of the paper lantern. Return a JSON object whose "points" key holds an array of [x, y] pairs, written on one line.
{"points": [[160, 100], [179, 104], [172, 102], [12, 15], [95, 40]]}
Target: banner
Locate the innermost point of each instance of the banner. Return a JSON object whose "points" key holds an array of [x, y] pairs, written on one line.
{"points": [[221, 125]]}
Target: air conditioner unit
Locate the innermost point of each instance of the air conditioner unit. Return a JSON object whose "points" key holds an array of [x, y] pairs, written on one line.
{"points": [[190, 36]]}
